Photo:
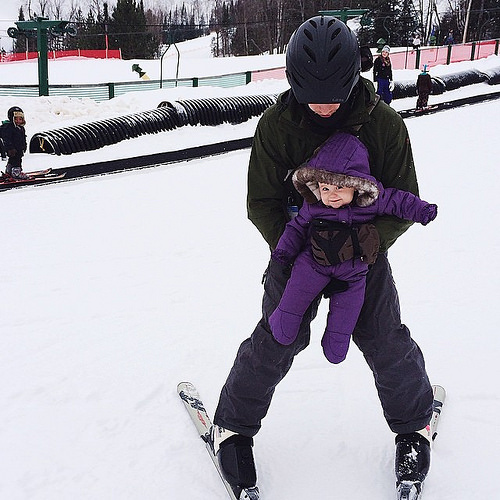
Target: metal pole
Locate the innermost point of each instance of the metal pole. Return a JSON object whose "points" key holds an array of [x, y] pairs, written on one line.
{"points": [[178, 61], [43, 64]]}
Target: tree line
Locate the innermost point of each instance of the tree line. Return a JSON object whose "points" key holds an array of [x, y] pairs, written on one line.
{"points": [[253, 27]]}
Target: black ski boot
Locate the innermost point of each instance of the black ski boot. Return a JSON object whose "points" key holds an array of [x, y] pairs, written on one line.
{"points": [[235, 456], [413, 460]]}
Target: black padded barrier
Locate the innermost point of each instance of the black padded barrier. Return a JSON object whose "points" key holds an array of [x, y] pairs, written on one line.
{"points": [[95, 135], [493, 75], [453, 81], [167, 116], [158, 159], [404, 89], [206, 112], [456, 80], [215, 111]]}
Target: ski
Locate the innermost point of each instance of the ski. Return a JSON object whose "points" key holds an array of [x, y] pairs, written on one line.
{"points": [[410, 490], [425, 109], [437, 406], [202, 422], [36, 173], [33, 178]]}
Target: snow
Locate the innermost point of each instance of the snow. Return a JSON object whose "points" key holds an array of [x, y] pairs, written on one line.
{"points": [[115, 288]]}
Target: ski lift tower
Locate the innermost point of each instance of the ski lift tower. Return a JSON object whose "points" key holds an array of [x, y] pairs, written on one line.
{"points": [[344, 14], [39, 27]]}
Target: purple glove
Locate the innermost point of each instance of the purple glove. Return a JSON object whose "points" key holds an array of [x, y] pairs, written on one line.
{"points": [[429, 213], [335, 346], [284, 326]]}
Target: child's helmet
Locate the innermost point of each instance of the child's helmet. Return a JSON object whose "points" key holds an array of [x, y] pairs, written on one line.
{"points": [[323, 61], [15, 111]]}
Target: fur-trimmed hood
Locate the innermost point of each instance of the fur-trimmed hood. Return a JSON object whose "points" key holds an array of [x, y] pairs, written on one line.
{"points": [[341, 160]]}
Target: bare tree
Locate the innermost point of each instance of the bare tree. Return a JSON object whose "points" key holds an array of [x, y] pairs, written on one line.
{"points": [[40, 8], [56, 9]]}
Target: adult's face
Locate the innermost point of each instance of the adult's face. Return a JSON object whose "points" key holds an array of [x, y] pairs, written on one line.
{"points": [[324, 110]]}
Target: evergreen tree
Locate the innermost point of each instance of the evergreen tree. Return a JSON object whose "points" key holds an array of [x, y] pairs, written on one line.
{"points": [[128, 31], [21, 42], [265, 26], [395, 21], [79, 21]]}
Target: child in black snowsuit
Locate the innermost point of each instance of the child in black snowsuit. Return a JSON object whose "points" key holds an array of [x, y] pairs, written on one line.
{"points": [[424, 88], [14, 140]]}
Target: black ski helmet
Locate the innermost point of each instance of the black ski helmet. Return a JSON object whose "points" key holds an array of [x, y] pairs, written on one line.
{"points": [[15, 110], [323, 61]]}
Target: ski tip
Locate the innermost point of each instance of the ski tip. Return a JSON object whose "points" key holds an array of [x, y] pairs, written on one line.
{"points": [[187, 387], [439, 392]]}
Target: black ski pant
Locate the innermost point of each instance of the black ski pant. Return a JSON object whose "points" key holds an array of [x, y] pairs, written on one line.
{"points": [[394, 358], [422, 99]]}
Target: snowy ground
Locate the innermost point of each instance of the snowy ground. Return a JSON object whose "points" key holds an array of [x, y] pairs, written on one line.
{"points": [[115, 288]]}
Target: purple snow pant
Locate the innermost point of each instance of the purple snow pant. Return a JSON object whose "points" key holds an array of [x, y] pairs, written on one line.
{"points": [[305, 284], [394, 358]]}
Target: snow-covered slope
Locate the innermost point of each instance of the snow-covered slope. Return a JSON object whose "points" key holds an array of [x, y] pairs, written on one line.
{"points": [[115, 288]]}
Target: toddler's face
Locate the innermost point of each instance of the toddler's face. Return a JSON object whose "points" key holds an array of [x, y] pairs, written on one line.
{"points": [[335, 196], [18, 119]]}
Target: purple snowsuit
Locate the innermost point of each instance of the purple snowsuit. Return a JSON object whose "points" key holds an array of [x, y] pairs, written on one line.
{"points": [[342, 161]]}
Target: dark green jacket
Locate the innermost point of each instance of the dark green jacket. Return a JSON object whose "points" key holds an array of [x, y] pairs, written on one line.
{"points": [[287, 136]]}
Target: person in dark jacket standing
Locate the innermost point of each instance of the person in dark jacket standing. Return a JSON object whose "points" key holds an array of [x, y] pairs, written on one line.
{"points": [[449, 40], [416, 42], [382, 74], [14, 139], [424, 88], [327, 95]]}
